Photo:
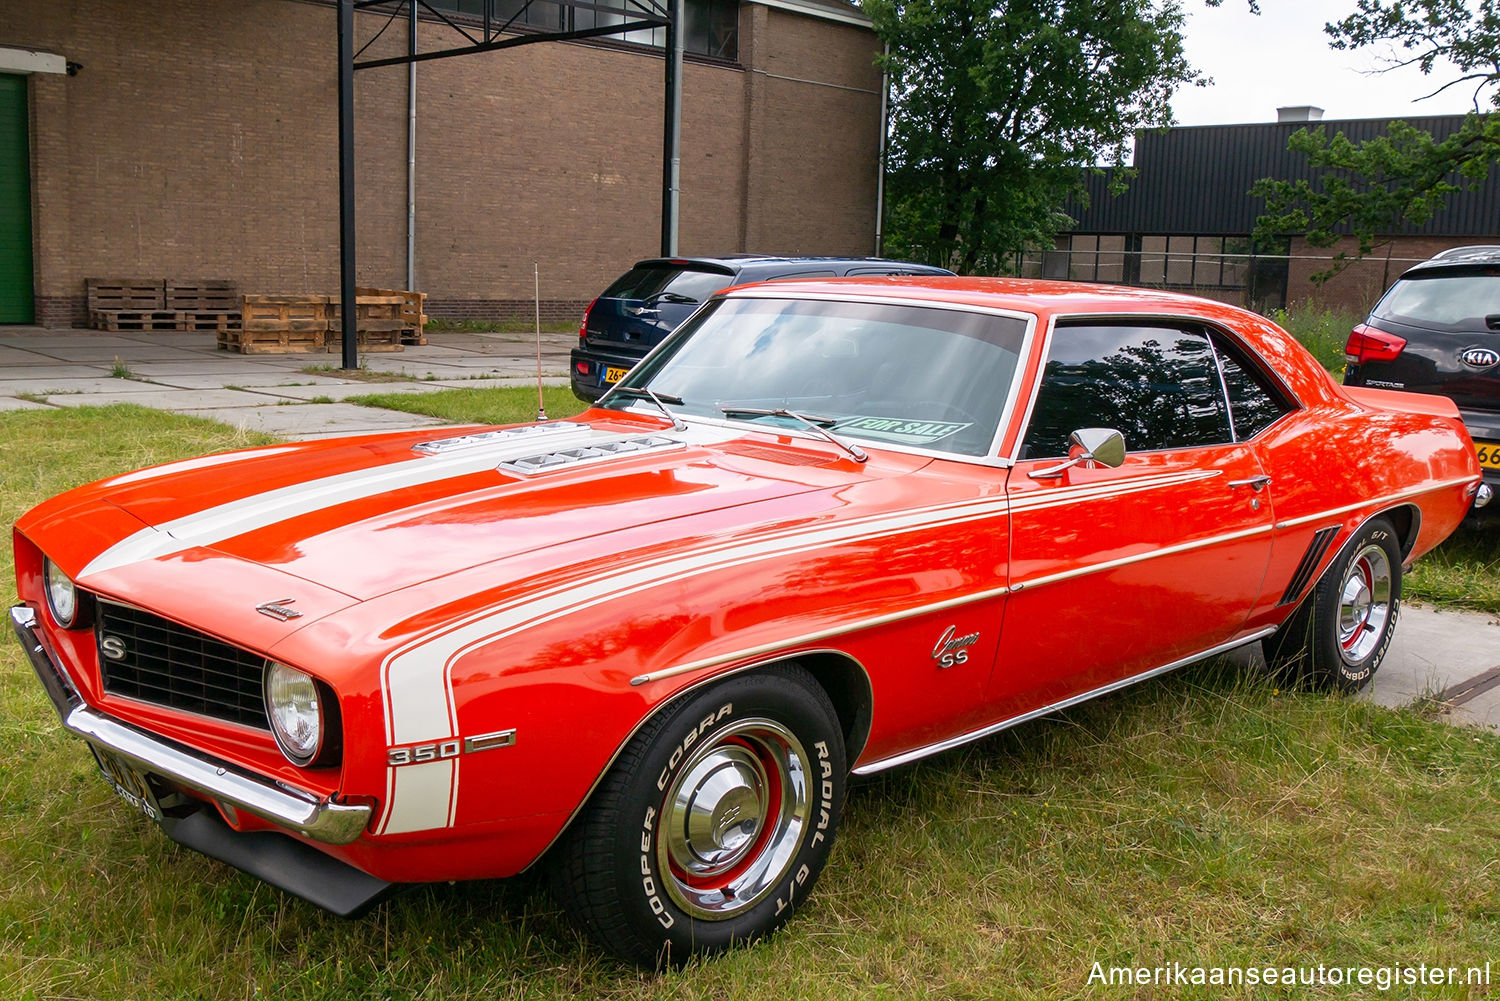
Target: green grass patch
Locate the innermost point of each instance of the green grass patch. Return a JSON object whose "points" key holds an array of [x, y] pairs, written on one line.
{"points": [[1322, 331], [512, 405], [1464, 571], [1207, 817]]}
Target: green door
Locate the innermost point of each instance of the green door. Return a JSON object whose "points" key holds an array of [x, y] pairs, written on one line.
{"points": [[16, 305]]}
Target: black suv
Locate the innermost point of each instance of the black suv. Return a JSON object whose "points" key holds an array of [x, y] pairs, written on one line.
{"points": [[649, 301], [1438, 331]]}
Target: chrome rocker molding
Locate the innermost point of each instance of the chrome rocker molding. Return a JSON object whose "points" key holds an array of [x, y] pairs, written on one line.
{"points": [[315, 818], [994, 728]]}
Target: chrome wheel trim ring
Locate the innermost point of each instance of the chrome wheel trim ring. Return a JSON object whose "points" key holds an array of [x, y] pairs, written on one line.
{"points": [[732, 820], [1364, 603]]}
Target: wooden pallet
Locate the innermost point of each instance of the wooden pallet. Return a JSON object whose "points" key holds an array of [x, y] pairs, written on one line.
{"points": [[265, 342], [129, 319], [202, 296], [377, 318], [413, 318], [278, 324], [207, 319], [128, 294]]}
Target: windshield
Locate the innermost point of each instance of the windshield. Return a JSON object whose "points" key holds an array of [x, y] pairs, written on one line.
{"points": [[1456, 302], [910, 375]]}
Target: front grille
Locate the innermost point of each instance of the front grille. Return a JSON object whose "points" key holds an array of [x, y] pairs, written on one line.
{"points": [[143, 656]]}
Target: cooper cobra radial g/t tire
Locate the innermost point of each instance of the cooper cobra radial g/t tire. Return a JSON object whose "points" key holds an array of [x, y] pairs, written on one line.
{"points": [[713, 824], [1338, 636]]}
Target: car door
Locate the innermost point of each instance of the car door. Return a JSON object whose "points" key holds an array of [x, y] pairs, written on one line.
{"points": [[1118, 571]]}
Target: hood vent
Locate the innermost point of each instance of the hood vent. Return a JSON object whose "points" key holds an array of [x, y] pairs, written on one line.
{"points": [[442, 445], [567, 458]]}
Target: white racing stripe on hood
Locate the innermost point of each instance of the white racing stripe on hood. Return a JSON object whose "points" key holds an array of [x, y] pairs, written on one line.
{"points": [[248, 514]]}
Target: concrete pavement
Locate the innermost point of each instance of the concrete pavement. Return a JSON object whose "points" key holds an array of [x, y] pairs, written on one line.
{"points": [[1451, 658], [293, 395]]}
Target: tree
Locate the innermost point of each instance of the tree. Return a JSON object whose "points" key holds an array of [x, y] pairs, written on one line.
{"points": [[1000, 107], [1365, 189]]}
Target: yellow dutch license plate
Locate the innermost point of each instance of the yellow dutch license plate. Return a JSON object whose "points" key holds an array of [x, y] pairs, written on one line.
{"points": [[129, 784], [613, 374], [1489, 454]]}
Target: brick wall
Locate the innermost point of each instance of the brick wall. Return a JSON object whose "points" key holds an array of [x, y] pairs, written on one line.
{"points": [[199, 140], [1361, 283]]}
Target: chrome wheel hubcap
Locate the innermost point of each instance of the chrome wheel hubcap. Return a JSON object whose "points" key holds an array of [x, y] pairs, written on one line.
{"points": [[733, 818], [1364, 603]]}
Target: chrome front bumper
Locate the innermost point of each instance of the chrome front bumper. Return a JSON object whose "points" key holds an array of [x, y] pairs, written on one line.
{"points": [[319, 819]]}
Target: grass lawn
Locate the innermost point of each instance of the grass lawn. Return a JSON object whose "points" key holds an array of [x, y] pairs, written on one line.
{"points": [[1203, 818]]}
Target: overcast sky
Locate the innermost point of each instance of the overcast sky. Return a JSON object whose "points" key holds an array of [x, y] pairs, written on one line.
{"points": [[1281, 57]]}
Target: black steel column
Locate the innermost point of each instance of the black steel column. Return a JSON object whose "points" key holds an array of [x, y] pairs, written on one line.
{"points": [[672, 132], [346, 183]]}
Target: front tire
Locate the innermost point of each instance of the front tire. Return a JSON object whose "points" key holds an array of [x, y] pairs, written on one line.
{"points": [[713, 824], [1338, 636]]}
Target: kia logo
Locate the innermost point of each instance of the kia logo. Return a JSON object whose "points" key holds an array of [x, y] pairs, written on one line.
{"points": [[1479, 357]]}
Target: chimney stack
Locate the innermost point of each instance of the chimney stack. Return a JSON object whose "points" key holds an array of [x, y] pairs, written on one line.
{"points": [[1301, 113]]}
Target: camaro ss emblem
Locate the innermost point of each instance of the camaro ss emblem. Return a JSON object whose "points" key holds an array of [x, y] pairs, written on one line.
{"points": [[112, 647], [1479, 357], [953, 649], [278, 609]]}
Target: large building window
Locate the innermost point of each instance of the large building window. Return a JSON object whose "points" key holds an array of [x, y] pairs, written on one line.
{"points": [[710, 27]]}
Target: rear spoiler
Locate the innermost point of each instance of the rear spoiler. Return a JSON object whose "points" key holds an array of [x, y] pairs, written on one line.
{"points": [[1394, 399]]}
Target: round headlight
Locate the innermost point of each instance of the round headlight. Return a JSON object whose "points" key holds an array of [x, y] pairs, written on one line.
{"points": [[62, 596], [295, 707]]}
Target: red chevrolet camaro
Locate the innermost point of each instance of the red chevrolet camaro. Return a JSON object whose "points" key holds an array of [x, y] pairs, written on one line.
{"points": [[826, 527]]}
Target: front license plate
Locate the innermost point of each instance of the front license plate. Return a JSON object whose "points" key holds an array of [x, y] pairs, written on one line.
{"points": [[130, 784], [1489, 454], [613, 374]]}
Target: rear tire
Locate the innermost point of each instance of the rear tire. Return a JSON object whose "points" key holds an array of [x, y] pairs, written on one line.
{"points": [[1338, 636], [712, 825]]}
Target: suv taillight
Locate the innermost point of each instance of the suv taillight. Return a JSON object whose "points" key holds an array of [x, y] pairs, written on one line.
{"points": [[583, 324], [1368, 344]]}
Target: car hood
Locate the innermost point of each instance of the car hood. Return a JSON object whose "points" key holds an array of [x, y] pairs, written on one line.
{"points": [[365, 517]]}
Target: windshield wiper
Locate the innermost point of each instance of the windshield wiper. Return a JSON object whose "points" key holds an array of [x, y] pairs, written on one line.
{"points": [[813, 421], [677, 297], [660, 400]]}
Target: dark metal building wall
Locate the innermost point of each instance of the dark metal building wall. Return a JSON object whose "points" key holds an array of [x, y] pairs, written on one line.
{"points": [[1196, 180]]}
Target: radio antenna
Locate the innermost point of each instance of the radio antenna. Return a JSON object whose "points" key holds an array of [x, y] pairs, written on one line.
{"points": [[541, 408]]}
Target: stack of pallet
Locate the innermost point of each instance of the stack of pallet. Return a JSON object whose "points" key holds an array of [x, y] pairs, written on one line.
{"points": [[279, 324], [128, 304], [204, 305], [386, 320], [413, 319], [121, 304]]}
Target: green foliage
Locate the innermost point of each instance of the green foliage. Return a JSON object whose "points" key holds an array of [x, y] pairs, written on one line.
{"points": [[1404, 177], [1000, 109], [1322, 331]]}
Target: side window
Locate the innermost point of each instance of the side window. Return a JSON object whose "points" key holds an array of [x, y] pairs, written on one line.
{"points": [[1157, 385], [1253, 403]]}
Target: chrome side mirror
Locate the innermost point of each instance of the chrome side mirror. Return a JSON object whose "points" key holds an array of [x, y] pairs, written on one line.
{"points": [[1105, 446]]}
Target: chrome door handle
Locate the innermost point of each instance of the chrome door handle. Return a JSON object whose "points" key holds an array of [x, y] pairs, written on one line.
{"points": [[1256, 483]]}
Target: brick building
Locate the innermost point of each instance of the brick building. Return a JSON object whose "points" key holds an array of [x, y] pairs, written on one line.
{"points": [[1184, 222], [194, 139]]}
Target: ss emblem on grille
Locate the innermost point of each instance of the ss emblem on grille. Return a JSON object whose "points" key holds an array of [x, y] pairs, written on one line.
{"points": [[112, 647]]}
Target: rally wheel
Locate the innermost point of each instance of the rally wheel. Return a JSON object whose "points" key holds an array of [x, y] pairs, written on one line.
{"points": [[1338, 636], [712, 825]]}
